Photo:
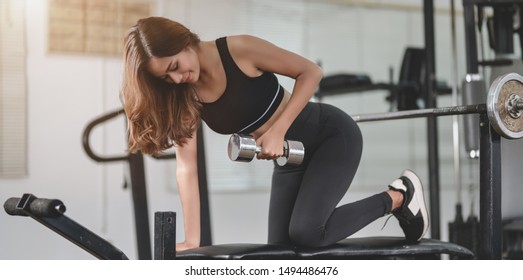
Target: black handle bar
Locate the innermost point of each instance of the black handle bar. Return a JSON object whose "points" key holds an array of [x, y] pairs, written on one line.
{"points": [[98, 158], [87, 134]]}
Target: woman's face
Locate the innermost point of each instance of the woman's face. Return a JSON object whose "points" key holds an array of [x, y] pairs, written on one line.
{"points": [[182, 67]]}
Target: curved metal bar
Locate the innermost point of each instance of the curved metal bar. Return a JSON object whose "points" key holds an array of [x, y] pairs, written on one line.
{"points": [[410, 114], [87, 133], [165, 156]]}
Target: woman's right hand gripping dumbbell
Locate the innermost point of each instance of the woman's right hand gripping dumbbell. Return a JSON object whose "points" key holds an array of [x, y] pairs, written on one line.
{"points": [[244, 148]]}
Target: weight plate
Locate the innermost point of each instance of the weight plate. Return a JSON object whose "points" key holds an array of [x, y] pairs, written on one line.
{"points": [[497, 105]]}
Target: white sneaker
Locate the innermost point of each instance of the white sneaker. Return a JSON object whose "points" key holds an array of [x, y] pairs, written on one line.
{"points": [[412, 215]]}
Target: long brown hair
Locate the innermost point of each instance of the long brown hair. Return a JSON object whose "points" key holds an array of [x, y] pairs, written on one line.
{"points": [[159, 114]]}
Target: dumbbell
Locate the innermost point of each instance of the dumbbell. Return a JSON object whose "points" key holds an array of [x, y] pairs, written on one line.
{"points": [[243, 148]]}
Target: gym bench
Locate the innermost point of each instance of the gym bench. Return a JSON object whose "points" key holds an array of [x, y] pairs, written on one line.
{"points": [[351, 248], [50, 213]]}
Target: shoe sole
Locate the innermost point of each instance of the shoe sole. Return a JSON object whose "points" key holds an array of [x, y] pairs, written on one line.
{"points": [[418, 190]]}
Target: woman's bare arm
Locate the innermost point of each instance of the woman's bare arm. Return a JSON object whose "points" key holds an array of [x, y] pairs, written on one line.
{"points": [[187, 180], [256, 54]]}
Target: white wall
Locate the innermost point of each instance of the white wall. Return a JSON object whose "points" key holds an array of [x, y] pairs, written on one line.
{"points": [[64, 92], [67, 91]]}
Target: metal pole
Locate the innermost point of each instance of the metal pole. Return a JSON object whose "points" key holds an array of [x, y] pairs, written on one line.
{"points": [[141, 210], [164, 235], [432, 125], [455, 119], [490, 228], [470, 37], [205, 216]]}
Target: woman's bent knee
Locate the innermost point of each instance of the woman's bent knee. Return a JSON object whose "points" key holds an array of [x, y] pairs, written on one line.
{"points": [[307, 236]]}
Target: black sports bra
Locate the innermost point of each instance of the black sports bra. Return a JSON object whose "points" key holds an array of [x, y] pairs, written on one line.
{"points": [[247, 102]]}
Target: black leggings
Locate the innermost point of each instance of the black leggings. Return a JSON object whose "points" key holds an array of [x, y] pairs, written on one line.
{"points": [[303, 199]]}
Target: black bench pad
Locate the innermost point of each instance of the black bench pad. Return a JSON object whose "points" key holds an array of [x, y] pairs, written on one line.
{"points": [[385, 247], [351, 248], [239, 251]]}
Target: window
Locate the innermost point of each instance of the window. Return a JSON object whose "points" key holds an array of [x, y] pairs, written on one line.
{"points": [[93, 26], [13, 108]]}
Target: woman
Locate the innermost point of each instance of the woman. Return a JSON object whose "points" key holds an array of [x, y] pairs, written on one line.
{"points": [[173, 81]]}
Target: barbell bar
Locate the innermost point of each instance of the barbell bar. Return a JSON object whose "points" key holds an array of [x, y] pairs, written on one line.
{"points": [[504, 108], [410, 114]]}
